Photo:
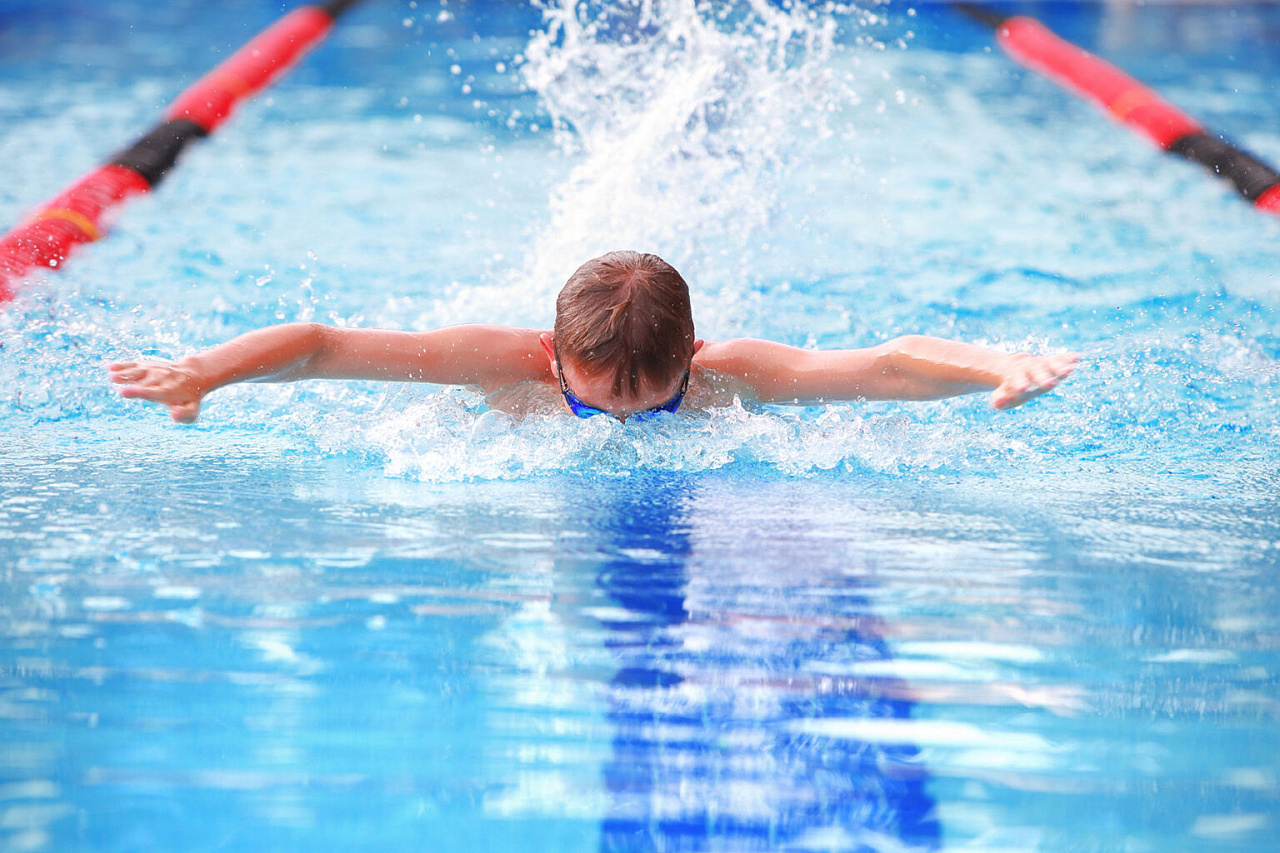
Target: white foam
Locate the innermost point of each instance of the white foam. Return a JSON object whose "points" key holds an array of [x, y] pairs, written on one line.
{"points": [[450, 436]]}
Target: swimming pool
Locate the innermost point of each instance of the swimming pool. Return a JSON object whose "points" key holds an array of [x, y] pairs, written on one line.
{"points": [[336, 616]]}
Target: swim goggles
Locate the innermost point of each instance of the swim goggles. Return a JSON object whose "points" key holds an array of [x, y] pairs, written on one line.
{"points": [[582, 410]]}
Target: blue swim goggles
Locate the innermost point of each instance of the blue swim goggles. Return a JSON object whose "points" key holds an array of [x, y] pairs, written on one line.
{"points": [[582, 410]]}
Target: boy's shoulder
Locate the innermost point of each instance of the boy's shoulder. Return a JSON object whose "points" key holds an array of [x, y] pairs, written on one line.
{"points": [[719, 374], [740, 356], [725, 352]]}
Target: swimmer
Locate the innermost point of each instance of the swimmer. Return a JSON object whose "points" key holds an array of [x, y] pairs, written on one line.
{"points": [[623, 345]]}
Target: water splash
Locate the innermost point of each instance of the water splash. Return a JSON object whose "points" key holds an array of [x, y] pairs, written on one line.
{"points": [[451, 437], [683, 118]]}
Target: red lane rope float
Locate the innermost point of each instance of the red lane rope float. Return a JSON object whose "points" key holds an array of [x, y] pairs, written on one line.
{"points": [[252, 68], [79, 214], [1130, 102]]}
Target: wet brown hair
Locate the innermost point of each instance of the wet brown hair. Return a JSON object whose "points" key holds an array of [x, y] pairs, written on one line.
{"points": [[627, 313]]}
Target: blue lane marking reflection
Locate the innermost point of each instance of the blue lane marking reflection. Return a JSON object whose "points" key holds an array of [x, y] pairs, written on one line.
{"points": [[705, 752]]}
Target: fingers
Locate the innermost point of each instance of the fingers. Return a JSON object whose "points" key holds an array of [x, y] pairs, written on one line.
{"points": [[146, 392], [1005, 397], [158, 382], [185, 413], [1060, 365], [127, 374], [182, 408], [1032, 376], [1043, 375], [133, 371], [153, 375]]}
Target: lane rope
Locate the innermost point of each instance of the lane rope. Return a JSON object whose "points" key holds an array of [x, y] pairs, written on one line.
{"points": [[80, 213], [1132, 103]]}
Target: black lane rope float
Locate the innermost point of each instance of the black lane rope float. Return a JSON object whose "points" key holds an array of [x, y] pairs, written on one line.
{"points": [[1130, 102], [76, 215]]}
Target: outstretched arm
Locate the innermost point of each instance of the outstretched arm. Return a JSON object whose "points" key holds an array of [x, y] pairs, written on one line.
{"points": [[487, 356], [914, 367]]}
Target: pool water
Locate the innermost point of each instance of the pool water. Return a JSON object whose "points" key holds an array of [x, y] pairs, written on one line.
{"points": [[335, 616]]}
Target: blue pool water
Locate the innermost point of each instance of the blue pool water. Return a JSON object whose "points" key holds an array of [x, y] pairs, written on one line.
{"points": [[337, 616]]}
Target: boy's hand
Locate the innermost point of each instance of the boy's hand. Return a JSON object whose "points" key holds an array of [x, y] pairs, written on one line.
{"points": [[171, 384], [1029, 376]]}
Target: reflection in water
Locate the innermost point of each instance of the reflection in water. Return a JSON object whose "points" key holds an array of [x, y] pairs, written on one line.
{"points": [[708, 703]]}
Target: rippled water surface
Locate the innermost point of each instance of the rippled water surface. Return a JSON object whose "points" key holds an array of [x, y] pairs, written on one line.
{"points": [[337, 616]]}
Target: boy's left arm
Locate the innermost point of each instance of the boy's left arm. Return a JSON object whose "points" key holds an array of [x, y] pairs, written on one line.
{"points": [[913, 367]]}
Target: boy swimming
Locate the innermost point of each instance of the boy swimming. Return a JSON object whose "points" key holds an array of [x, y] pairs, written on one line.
{"points": [[623, 345]]}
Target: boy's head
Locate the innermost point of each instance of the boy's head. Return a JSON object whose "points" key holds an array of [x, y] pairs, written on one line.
{"points": [[624, 330]]}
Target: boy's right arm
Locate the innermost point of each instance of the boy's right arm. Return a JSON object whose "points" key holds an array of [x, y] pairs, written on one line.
{"points": [[488, 356]]}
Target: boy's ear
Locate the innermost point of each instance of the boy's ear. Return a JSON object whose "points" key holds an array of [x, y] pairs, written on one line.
{"points": [[549, 347], [697, 345]]}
